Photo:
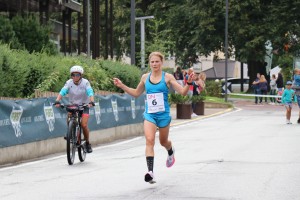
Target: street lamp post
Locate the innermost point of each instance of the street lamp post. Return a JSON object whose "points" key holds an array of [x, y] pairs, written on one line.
{"points": [[143, 38], [226, 49], [132, 32], [88, 30]]}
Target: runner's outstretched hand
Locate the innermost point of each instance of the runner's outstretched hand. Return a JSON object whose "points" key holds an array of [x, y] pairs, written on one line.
{"points": [[117, 82]]}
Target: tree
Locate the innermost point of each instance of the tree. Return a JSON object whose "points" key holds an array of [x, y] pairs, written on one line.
{"points": [[196, 27], [6, 30], [7, 34], [268, 20], [249, 32], [33, 36], [200, 28]]}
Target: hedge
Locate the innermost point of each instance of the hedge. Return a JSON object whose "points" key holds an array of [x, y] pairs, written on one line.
{"points": [[22, 72]]}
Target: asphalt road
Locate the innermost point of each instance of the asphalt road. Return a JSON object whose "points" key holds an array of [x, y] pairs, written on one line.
{"points": [[249, 153]]}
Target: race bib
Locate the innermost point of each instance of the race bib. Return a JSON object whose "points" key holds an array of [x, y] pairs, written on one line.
{"points": [[155, 102]]}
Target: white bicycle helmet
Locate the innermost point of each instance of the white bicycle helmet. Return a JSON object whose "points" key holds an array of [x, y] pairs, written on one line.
{"points": [[77, 69]]}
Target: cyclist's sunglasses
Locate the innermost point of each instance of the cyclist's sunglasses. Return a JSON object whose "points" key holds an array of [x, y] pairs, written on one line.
{"points": [[76, 75]]}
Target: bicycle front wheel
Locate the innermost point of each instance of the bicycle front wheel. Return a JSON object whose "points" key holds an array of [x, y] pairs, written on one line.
{"points": [[71, 142], [81, 149]]}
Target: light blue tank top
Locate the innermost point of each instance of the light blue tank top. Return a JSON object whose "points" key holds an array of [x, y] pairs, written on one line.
{"points": [[160, 87]]}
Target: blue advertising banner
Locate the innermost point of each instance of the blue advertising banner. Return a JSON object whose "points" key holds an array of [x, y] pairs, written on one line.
{"points": [[24, 121]]}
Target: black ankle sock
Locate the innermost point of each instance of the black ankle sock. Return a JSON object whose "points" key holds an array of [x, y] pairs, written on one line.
{"points": [[150, 162], [170, 151]]}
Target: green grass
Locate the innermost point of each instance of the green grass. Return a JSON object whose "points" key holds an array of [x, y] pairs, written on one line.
{"points": [[217, 100], [240, 97], [214, 99]]}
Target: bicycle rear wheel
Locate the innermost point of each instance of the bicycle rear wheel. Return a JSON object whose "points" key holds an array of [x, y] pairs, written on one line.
{"points": [[71, 142], [81, 149]]}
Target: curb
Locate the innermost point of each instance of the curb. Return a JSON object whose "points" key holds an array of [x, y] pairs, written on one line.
{"points": [[202, 117]]}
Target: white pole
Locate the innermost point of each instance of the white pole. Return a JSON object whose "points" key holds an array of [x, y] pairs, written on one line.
{"points": [[143, 38]]}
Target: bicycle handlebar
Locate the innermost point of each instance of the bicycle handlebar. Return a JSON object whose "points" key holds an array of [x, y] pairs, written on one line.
{"points": [[72, 106]]}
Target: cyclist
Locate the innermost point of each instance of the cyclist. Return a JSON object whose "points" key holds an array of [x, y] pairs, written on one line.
{"points": [[80, 92]]}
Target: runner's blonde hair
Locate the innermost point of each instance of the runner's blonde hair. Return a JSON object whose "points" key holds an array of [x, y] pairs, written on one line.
{"points": [[156, 53]]}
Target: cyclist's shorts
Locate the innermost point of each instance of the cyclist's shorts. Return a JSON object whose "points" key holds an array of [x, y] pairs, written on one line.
{"points": [[161, 120], [86, 112]]}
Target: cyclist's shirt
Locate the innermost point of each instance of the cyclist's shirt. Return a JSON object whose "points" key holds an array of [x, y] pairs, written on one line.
{"points": [[157, 96], [78, 94]]}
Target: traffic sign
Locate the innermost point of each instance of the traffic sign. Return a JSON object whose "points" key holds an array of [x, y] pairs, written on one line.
{"points": [[228, 87]]}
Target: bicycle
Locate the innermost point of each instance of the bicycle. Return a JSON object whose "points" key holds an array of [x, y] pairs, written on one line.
{"points": [[75, 139]]}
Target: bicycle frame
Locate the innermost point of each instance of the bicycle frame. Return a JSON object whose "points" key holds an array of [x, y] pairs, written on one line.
{"points": [[74, 134], [75, 116]]}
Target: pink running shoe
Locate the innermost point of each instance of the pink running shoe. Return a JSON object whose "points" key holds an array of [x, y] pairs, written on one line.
{"points": [[171, 159]]}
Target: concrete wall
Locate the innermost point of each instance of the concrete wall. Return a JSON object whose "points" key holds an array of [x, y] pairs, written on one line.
{"points": [[34, 150]]}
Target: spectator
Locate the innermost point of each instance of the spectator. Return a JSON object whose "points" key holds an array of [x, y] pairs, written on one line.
{"points": [[296, 82], [296, 87], [287, 100], [273, 89], [263, 86], [189, 72], [198, 87], [279, 82], [184, 73], [255, 87], [179, 76], [201, 81]]}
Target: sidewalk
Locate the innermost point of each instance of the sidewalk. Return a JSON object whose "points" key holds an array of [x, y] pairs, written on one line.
{"points": [[208, 112]]}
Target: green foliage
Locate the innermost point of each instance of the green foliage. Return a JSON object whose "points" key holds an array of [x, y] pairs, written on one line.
{"points": [[49, 82], [26, 33], [196, 27], [199, 27], [98, 77], [21, 72], [7, 34], [285, 62], [199, 98], [179, 99], [213, 88], [128, 74], [13, 73], [161, 40], [182, 27], [6, 30]]}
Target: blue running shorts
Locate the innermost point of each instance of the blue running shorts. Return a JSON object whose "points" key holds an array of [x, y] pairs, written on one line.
{"points": [[161, 120]]}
